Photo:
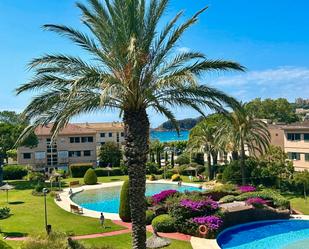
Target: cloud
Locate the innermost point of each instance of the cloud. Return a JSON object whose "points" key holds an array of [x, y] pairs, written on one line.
{"points": [[282, 82], [278, 76]]}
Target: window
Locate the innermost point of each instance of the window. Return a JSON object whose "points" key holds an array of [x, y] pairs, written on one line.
{"points": [[102, 143], [122, 134], [110, 134], [87, 139], [307, 157], [293, 136], [74, 140], [39, 155], [102, 134], [63, 154], [294, 155], [27, 155], [306, 137], [87, 153], [90, 139], [75, 153]]}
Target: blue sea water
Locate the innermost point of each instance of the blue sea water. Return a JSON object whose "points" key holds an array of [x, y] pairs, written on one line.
{"points": [[279, 234], [107, 199], [169, 136]]}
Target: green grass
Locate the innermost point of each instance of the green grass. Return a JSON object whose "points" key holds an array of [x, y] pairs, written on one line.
{"points": [[27, 216], [100, 179], [299, 203], [123, 241]]}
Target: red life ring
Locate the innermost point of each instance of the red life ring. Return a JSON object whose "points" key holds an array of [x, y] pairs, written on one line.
{"points": [[203, 230]]}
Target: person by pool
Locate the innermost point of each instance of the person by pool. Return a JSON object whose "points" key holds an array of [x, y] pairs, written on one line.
{"points": [[102, 219]]}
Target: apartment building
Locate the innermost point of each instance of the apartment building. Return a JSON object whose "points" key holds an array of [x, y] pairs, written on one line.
{"points": [[296, 144], [76, 143]]}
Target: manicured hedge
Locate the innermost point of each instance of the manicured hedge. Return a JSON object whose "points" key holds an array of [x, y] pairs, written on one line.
{"points": [[14, 172], [104, 172], [124, 208], [150, 215], [163, 223], [90, 178], [79, 170]]}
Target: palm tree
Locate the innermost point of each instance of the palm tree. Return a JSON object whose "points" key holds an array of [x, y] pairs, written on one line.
{"points": [[202, 138], [132, 65], [241, 131]]}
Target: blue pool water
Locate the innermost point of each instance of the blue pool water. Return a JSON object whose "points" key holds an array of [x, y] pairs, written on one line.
{"points": [[280, 234], [107, 199], [169, 136]]}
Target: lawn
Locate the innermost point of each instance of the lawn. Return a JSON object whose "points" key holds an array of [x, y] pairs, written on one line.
{"points": [[299, 203], [123, 241], [28, 215]]}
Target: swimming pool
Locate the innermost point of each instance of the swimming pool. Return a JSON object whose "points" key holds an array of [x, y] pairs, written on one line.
{"points": [[275, 234], [107, 199]]}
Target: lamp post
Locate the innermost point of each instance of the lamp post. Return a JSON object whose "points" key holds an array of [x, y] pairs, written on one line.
{"points": [[47, 227]]}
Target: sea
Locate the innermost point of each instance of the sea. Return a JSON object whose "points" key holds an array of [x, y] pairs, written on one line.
{"points": [[169, 136]]}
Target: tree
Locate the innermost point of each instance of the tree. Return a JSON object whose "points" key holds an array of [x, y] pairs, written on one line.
{"points": [[133, 66], [110, 154], [203, 139], [277, 110], [12, 154], [302, 178], [240, 130]]}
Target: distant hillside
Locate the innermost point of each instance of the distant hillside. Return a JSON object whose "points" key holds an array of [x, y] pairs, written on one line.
{"points": [[184, 124]]}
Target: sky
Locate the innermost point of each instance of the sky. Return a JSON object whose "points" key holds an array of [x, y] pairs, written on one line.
{"points": [[269, 38]]}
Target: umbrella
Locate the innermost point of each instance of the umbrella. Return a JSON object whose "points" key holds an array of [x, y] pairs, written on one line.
{"points": [[6, 188]]}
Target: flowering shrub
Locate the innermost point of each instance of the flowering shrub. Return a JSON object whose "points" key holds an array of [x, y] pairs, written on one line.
{"points": [[256, 202], [176, 178], [245, 189], [199, 205], [157, 198], [212, 222]]}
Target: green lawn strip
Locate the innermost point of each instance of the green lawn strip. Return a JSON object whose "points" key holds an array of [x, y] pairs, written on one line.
{"points": [[298, 202], [123, 241], [28, 217], [101, 179]]}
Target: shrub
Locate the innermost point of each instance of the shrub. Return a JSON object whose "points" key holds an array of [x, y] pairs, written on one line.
{"points": [[14, 172], [90, 178], [152, 177], [200, 205], [212, 222], [176, 178], [245, 189], [227, 199], [157, 198], [123, 168], [149, 216], [36, 177], [124, 208], [4, 245], [38, 189], [79, 170], [198, 158], [163, 223], [219, 192], [168, 174], [105, 172], [256, 202], [151, 168], [4, 213]]}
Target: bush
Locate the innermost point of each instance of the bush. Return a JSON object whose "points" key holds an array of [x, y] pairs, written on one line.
{"points": [[123, 168], [227, 199], [149, 216], [90, 178], [124, 208], [151, 168], [198, 158], [184, 158], [4, 213], [168, 174], [14, 172], [176, 178], [218, 192], [152, 177], [4, 245], [36, 177], [105, 172], [163, 223], [79, 170]]}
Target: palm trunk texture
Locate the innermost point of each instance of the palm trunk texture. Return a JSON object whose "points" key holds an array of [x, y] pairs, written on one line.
{"points": [[136, 151]]}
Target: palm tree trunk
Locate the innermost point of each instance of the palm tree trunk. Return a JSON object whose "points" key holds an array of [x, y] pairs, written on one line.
{"points": [[136, 125], [209, 167], [242, 163]]}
